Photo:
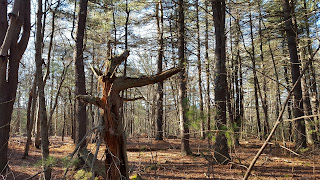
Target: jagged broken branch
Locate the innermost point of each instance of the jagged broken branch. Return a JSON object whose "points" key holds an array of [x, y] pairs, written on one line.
{"points": [[90, 99], [123, 83]]}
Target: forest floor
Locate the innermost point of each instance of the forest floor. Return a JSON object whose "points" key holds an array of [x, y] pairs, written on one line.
{"points": [[152, 159]]}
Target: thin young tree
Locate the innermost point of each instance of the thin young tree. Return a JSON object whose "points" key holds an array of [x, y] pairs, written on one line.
{"points": [[199, 71], [207, 72], [255, 77], [40, 84]]}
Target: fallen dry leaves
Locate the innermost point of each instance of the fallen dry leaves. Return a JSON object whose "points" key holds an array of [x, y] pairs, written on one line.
{"points": [[151, 159]]}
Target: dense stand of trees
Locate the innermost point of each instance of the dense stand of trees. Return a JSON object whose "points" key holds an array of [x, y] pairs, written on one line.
{"points": [[236, 62]]}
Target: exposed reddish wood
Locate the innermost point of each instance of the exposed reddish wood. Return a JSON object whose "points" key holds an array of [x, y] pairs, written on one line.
{"points": [[116, 158]]}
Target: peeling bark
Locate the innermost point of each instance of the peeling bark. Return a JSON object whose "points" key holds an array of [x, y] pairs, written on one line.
{"points": [[114, 136]]}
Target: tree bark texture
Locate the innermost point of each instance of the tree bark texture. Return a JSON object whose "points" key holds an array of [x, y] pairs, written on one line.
{"points": [[114, 135], [238, 87], [202, 130], [15, 40], [255, 78], [42, 104], [30, 115], [159, 108], [183, 100], [300, 134], [221, 153], [207, 73], [80, 86]]}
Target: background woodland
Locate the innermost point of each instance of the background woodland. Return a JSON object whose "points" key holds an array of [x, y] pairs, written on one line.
{"points": [[238, 62]]}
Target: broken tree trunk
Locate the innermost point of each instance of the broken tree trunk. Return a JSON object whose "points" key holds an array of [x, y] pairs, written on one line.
{"points": [[116, 157]]}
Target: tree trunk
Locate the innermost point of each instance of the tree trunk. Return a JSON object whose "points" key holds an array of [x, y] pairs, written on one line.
{"points": [[49, 62], [289, 106], [183, 101], [37, 141], [312, 81], [42, 104], [33, 96], [255, 78], [114, 134], [307, 110], [264, 86], [11, 38], [300, 134], [207, 74], [202, 130], [230, 82], [221, 153], [159, 108], [238, 86], [116, 155], [18, 122], [80, 86], [64, 125]]}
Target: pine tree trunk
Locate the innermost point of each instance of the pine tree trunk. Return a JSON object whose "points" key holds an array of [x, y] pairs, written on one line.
{"points": [[159, 108], [183, 101], [289, 106], [312, 82], [255, 78], [264, 86], [300, 134], [238, 86], [207, 73], [307, 109], [80, 86], [202, 129], [221, 153]]}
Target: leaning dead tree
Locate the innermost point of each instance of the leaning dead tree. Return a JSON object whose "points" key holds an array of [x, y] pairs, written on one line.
{"points": [[114, 136]]}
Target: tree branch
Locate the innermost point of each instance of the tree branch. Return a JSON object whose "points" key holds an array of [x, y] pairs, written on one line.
{"points": [[96, 71], [12, 29], [89, 99], [123, 83], [134, 99], [117, 60], [23, 43]]}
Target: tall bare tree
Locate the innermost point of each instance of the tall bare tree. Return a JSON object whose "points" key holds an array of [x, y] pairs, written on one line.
{"points": [[221, 152], [288, 11], [183, 101], [40, 84], [255, 77], [159, 108], [14, 39], [207, 70], [199, 71], [80, 108]]}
